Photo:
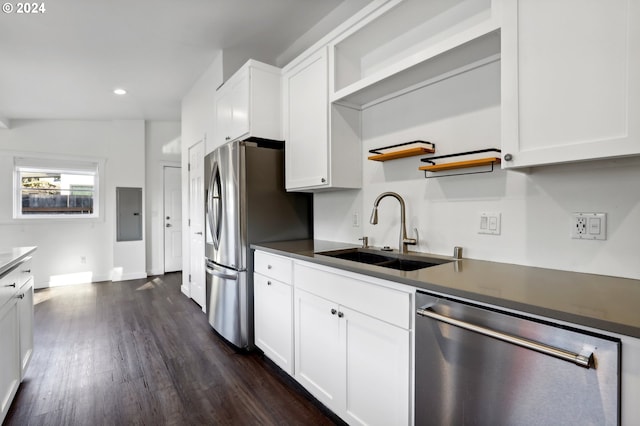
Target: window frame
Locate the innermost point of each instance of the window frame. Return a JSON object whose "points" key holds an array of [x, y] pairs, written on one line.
{"points": [[58, 164]]}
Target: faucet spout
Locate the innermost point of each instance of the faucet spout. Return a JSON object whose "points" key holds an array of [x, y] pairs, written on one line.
{"points": [[403, 241]]}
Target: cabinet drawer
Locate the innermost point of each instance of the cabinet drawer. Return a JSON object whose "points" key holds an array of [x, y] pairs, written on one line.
{"points": [[13, 279], [384, 303], [273, 266]]}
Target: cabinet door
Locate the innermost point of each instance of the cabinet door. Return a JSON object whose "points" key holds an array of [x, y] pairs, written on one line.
{"points": [[273, 316], [306, 123], [240, 105], [25, 314], [570, 90], [378, 379], [224, 116], [9, 355], [319, 363]]}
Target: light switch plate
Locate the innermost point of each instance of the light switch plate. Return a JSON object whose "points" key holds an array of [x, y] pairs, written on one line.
{"points": [[489, 223], [589, 226]]}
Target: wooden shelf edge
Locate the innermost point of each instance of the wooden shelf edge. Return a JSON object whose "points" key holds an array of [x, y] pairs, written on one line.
{"points": [[401, 154], [460, 164]]}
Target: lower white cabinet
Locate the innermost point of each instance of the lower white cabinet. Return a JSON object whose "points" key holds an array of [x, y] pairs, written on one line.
{"points": [[320, 366], [16, 330], [273, 320], [9, 355], [25, 318], [273, 308], [355, 363]]}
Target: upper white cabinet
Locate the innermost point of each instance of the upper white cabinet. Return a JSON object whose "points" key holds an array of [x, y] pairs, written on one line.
{"points": [[248, 104], [570, 86], [409, 43], [323, 148]]}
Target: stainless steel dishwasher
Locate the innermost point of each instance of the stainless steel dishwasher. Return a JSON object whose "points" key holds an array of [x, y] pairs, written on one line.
{"points": [[478, 366]]}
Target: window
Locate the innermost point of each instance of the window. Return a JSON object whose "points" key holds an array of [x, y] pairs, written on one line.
{"points": [[55, 188]]}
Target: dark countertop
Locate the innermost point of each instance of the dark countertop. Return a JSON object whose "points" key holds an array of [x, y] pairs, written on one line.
{"points": [[597, 301], [10, 257]]}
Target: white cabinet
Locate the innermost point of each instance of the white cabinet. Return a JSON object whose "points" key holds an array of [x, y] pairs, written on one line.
{"points": [[25, 318], [352, 344], [570, 92], [320, 366], [16, 329], [248, 104], [273, 308], [9, 355], [323, 148], [406, 44]]}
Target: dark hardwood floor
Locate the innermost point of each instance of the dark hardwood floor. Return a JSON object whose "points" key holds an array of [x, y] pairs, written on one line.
{"points": [[141, 353]]}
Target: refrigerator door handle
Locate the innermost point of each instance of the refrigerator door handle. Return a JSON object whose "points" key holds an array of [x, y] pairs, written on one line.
{"points": [[214, 205], [222, 275]]}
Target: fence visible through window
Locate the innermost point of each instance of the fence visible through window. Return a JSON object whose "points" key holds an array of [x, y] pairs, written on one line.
{"points": [[56, 193]]}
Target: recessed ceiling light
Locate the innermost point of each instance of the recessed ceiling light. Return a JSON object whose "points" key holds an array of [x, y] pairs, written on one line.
{"points": [[120, 91]]}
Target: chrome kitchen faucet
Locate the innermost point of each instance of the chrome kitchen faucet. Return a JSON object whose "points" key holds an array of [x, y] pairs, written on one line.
{"points": [[404, 241]]}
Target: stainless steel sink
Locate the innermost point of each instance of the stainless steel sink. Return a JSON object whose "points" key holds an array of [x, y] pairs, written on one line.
{"points": [[397, 261]]}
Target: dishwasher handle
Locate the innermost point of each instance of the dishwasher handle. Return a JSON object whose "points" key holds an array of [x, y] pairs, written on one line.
{"points": [[584, 359]]}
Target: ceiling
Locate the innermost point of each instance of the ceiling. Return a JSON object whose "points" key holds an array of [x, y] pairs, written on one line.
{"points": [[66, 62]]}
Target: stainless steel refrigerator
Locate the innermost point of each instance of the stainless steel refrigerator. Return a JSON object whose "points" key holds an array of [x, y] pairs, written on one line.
{"points": [[245, 203]]}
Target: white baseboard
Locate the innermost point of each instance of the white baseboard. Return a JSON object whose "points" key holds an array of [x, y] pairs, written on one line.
{"points": [[185, 290], [132, 276]]}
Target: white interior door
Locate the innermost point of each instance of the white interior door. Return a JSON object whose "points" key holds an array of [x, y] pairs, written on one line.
{"points": [[172, 219], [196, 227]]}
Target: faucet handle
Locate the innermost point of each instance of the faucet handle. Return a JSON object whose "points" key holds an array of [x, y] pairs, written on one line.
{"points": [[365, 241]]}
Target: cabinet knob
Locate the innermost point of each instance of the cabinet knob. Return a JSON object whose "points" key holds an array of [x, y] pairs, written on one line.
{"points": [[268, 266], [11, 285], [227, 138], [508, 157], [27, 271], [268, 282], [340, 314], [333, 312], [21, 296], [323, 180]]}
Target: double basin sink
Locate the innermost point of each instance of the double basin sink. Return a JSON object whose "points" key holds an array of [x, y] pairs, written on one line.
{"points": [[402, 262]]}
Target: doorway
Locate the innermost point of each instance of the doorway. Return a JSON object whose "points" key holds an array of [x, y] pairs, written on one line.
{"points": [[197, 287], [172, 213]]}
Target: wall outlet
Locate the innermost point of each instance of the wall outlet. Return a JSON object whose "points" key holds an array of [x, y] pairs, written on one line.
{"points": [[589, 226], [489, 223]]}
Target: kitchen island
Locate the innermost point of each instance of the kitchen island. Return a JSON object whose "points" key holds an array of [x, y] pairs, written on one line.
{"points": [[16, 321]]}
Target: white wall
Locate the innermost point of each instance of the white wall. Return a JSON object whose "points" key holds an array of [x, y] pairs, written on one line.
{"points": [[460, 114], [62, 245], [198, 118], [163, 148]]}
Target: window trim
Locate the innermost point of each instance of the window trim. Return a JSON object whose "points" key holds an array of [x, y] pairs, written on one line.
{"points": [[58, 164]]}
